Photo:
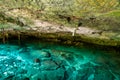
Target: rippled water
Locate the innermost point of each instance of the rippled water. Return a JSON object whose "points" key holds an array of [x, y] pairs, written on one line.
{"points": [[48, 61]]}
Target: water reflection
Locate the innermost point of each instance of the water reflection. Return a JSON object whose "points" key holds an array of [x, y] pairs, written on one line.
{"points": [[48, 61]]}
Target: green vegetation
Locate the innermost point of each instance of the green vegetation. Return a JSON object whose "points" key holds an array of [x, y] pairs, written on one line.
{"points": [[102, 15], [69, 7], [75, 9]]}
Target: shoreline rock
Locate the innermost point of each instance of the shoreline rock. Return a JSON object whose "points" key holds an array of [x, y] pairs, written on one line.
{"points": [[63, 37], [44, 30]]}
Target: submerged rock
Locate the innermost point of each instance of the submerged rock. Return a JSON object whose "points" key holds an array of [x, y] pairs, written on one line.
{"points": [[102, 73], [59, 64], [46, 53], [26, 78], [41, 53], [9, 77], [87, 65], [37, 60], [48, 65], [52, 74], [84, 74]]}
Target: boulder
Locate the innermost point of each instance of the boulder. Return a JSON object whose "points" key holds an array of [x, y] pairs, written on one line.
{"points": [[48, 65], [102, 73]]}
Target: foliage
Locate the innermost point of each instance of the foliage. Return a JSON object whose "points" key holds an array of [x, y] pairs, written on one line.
{"points": [[76, 9], [71, 7]]}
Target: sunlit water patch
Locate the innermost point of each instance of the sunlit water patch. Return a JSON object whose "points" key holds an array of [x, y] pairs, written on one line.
{"points": [[46, 61]]}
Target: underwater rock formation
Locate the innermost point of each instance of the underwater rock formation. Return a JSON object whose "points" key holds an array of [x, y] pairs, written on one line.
{"points": [[28, 62]]}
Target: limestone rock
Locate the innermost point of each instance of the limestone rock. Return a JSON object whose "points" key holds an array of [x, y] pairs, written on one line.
{"points": [[48, 65]]}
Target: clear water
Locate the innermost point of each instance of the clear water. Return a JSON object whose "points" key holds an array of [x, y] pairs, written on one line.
{"points": [[48, 61]]}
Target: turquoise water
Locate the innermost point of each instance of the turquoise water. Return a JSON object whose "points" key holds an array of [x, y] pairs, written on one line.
{"points": [[48, 61]]}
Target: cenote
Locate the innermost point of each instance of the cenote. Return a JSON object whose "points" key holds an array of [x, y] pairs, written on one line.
{"points": [[36, 60]]}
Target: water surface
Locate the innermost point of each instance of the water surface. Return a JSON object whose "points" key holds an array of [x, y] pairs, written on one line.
{"points": [[48, 61]]}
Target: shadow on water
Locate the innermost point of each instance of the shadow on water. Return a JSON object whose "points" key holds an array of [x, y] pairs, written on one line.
{"points": [[40, 60]]}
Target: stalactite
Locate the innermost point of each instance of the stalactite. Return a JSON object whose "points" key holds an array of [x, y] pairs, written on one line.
{"points": [[6, 35], [3, 35], [74, 31], [18, 34], [3, 39]]}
